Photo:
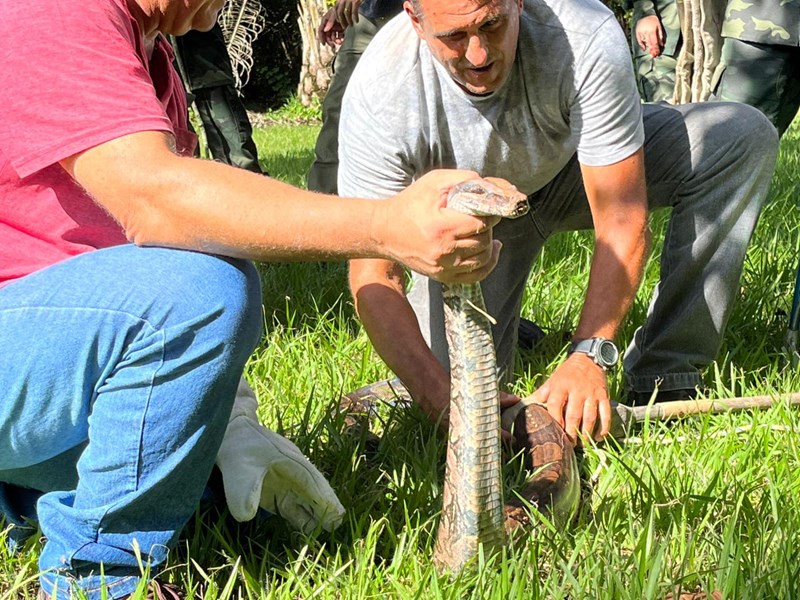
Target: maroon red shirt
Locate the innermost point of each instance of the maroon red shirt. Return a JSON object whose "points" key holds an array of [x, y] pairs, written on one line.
{"points": [[75, 75]]}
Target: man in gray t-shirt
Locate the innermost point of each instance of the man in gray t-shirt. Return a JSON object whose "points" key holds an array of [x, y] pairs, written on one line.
{"points": [[542, 93]]}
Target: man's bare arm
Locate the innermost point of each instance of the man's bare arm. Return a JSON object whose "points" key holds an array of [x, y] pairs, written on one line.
{"points": [[162, 199], [576, 393], [378, 288]]}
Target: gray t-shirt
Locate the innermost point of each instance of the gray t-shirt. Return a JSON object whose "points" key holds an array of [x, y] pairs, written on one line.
{"points": [[571, 89]]}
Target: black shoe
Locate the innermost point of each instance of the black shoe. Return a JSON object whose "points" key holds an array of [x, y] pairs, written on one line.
{"points": [[528, 334], [634, 398]]}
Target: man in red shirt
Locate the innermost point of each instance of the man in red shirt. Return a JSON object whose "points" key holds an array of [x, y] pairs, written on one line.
{"points": [[119, 361]]}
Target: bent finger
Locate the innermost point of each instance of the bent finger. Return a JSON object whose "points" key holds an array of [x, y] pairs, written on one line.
{"points": [[475, 258], [554, 404], [470, 225], [479, 273], [467, 247], [572, 417]]}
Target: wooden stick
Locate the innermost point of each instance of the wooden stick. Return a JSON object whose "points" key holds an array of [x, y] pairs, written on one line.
{"points": [[625, 417]]}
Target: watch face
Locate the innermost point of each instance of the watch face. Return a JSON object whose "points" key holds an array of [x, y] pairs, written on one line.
{"points": [[608, 353]]}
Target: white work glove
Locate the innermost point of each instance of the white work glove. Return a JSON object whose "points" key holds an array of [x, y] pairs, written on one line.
{"points": [[261, 468]]}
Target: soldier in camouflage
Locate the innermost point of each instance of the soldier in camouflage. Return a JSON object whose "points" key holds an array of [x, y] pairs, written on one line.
{"points": [[656, 42], [205, 66], [350, 24], [761, 58]]}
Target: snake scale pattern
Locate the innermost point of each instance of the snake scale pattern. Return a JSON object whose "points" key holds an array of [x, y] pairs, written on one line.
{"points": [[473, 512]]}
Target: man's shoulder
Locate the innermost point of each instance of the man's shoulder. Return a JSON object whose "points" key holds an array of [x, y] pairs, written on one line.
{"points": [[390, 64], [91, 15], [577, 18], [560, 34]]}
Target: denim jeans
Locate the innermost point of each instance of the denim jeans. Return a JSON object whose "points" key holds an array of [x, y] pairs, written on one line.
{"points": [[711, 164], [118, 370]]}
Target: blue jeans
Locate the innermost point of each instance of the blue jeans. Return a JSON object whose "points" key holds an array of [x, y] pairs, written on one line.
{"points": [[118, 370]]}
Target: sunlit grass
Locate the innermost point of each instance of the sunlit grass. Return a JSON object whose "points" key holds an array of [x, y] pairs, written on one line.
{"points": [[285, 151], [712, 503]]}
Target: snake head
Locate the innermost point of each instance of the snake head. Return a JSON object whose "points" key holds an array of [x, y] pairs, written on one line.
{"points": [[488, 197]]}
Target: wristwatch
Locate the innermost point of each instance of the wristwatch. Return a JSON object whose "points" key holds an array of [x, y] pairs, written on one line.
{"points": [[602, 351]]}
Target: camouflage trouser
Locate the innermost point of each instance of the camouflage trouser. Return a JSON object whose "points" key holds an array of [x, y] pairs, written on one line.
{"points": [[206, 68], [322, 177], [655, 77], [761, 75]]}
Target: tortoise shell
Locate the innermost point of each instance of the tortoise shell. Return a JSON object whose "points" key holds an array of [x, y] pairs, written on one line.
{"points": [[554, 483]]}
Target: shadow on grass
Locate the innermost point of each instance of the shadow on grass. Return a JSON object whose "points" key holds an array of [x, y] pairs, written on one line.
{"points": [[295, 293], [291, 168]]}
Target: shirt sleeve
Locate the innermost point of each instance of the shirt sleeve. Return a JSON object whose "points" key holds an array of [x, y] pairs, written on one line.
{"points": [[606, 114], [76, 76], [372, 156]]}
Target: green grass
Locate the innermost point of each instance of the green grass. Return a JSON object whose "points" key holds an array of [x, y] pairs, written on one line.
{"points": [[286, 151], [712, 503]]}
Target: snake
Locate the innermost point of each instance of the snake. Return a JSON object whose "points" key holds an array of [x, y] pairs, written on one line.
{"points": [[473, 511]]}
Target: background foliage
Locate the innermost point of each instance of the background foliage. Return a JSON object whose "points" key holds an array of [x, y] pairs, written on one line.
{"points": [[277, 55]]}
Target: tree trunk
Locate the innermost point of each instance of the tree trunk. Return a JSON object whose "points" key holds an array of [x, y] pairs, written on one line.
{"points": [[698, 60], [315, 73]]}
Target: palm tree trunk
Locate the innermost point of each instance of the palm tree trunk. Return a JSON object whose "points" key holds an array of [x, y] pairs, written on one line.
{"points": [[315, 73]]}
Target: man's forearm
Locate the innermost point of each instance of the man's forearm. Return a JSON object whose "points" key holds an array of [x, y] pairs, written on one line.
{"points": [[614, 278], [618, 199], [163, 199], [394, 331], [207, 206]]}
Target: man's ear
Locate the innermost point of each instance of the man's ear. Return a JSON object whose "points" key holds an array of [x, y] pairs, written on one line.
{"points": [[415, 20]]}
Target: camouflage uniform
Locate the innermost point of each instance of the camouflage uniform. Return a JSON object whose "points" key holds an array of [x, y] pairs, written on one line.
{"points": [[761, 58], [206, 68], [655, 77], [373, 14]]}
